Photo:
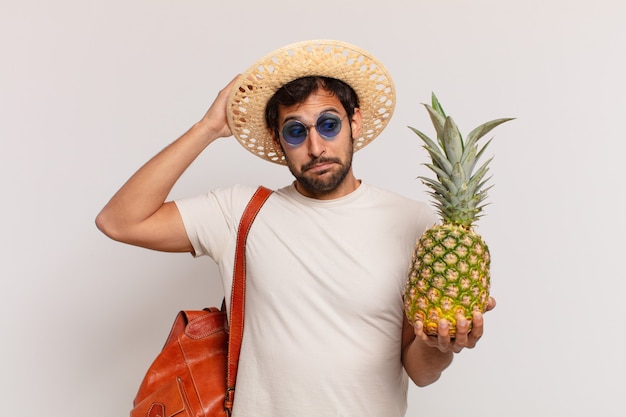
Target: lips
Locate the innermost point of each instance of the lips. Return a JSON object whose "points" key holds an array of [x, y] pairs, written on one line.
{"points": [[320, 164], [320, 167]]}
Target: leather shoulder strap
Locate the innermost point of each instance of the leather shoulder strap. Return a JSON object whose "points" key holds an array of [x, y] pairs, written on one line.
{"points": [[237, 301]]}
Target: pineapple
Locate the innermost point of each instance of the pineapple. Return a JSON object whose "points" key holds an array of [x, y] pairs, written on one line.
{"points": [[449, 271]]}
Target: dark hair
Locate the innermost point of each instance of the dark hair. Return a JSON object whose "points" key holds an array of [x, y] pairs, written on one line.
{"points": [[298, 90]]}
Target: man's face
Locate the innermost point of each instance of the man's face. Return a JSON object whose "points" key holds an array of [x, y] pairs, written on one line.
{"points": [[322, 166]]}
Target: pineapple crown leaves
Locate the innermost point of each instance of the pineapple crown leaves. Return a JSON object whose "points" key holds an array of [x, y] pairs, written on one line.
{"points": [[458, 190]]}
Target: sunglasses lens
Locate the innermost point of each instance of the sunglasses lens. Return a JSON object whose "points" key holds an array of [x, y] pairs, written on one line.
{"points": [[294, 132], [328, 126]]}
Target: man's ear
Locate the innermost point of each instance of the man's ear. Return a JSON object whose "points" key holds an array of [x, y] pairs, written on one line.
{"points": [[276, 139], [356, 123]]}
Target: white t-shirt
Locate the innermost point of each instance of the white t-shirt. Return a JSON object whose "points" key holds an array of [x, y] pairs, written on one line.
{"points": [[325, 278]]}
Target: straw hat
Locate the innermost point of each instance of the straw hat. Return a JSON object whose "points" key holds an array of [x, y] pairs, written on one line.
{"points": [[328, 58]]}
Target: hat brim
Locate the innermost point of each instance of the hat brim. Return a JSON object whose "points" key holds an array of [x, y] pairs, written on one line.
{"points": [[327, 58]]}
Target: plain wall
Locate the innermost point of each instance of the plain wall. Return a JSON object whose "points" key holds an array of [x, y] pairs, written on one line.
{"points": [[89, 90]]}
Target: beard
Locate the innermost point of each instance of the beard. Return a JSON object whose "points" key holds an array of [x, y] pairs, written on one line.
{"points": [[323, 181]]}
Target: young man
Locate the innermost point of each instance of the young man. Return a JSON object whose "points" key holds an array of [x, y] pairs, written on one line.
{"points": [[327, 256]]}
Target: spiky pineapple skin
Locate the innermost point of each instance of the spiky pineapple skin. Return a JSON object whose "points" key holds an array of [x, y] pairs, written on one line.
{"points": [[449, 276]]}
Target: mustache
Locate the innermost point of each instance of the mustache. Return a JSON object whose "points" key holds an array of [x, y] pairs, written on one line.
{"points": [[320, 160]]}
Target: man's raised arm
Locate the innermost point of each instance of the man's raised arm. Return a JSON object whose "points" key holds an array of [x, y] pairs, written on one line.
{"points": [[138, 213]]}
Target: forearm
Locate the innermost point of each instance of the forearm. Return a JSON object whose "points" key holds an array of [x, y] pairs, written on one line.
{"points": [[425, 357], [145, 192]]}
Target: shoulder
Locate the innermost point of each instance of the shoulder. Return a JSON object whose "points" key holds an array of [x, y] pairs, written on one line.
{"points": [[234, 196], [385, 195], [401, 207], [227, 200]]}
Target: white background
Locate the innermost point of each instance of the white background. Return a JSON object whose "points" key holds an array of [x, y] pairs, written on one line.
{"points": [[89, 90]]}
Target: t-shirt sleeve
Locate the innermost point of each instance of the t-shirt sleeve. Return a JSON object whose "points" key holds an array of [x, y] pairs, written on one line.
{"points": [[204, 222], [211, 219]]}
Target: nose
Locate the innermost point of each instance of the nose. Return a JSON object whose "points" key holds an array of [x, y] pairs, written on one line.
{"points": [[316, 145]]}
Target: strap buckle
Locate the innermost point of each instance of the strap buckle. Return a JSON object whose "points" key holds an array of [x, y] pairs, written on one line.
{"points": [[229, 399]]}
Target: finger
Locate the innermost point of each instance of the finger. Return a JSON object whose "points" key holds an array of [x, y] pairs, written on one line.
{"points": [[477, 329], [423, 336], [443, 339], [230, 85], [462, 329], [491, 303], [418, 328]]}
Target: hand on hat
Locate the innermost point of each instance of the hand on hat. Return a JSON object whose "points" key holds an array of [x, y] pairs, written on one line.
{"points": [[215, 119]]}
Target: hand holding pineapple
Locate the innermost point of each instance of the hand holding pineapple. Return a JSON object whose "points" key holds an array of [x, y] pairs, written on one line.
{"points": [[463, 337], [449, 274]]}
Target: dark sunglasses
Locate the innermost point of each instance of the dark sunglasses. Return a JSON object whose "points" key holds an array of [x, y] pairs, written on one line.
{"points": [[328, 125]]}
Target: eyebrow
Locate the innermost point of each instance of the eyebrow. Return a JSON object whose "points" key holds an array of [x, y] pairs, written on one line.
{"points": [[325, 110]]}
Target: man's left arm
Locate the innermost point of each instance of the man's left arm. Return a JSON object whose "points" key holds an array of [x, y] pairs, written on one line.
{"points": [[426, 357]]}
